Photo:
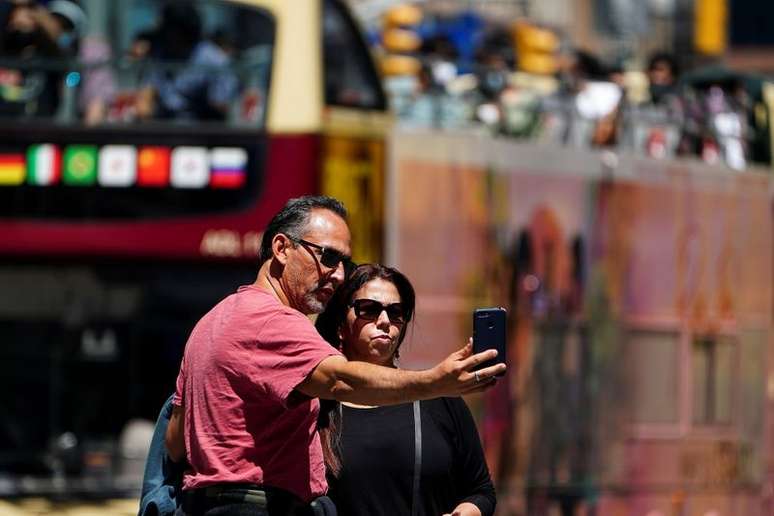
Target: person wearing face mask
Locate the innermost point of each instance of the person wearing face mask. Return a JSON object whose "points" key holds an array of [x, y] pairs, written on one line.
{"points": [[65, 22], [26, 37], [420, 458], [662, 77]]}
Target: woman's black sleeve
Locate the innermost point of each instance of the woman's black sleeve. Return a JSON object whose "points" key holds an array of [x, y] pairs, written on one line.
{"points": [[471, 471]]}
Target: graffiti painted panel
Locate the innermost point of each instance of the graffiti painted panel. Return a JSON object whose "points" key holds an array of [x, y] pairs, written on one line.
{"points": [[639, 299]]}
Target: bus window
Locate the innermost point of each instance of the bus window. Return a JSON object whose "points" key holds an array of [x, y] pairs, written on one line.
{"points": [[144, 60], [204, 61], [350, 79]]}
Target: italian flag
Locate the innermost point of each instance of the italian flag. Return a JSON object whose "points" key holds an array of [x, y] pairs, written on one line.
{"points": [[44, 164]]}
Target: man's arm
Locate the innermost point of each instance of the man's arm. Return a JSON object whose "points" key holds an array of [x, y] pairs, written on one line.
{"points": [[360, 382], [175, 437]]}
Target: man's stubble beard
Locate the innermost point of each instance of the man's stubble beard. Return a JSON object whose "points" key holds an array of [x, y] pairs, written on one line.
{"points": [[312, 304]]}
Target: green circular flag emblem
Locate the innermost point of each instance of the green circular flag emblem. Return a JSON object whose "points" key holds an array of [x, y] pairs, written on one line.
{"points": [[82, 164]]}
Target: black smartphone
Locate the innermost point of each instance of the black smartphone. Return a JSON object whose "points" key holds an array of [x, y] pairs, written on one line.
{"points": [[489, 333]]}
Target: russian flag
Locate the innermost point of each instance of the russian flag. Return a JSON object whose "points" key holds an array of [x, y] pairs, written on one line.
{"points": [[228, 167]]}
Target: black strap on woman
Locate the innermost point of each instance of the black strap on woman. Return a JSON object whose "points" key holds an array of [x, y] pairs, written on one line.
{"points": [[417, 458]]}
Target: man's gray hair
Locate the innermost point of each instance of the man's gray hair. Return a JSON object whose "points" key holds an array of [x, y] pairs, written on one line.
{"points": [[293, 218]]}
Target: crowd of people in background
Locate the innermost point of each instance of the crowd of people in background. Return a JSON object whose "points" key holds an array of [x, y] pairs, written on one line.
{"points": [[644, 107], [647, 107]]}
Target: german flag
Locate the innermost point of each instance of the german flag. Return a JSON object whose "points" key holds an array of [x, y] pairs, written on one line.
{"points": [[12, 169]]}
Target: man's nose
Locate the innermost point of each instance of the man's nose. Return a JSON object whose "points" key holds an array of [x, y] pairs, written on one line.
{"points": [[338, 274]]}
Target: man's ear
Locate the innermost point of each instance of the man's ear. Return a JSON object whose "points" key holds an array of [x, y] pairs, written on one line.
{"points": [[279, 247]]}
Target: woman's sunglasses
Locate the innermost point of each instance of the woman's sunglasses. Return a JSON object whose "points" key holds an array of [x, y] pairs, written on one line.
{"points": [[370, 310]]}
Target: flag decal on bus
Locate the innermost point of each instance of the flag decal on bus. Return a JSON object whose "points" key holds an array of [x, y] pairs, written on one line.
{"points": [[153, 166], [12, 169], [80, 165], [117, 165], [228, 167], [123, 166], [190, 167], [44, 164]]}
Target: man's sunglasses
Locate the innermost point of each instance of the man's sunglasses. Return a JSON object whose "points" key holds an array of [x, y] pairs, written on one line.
{"points": [[370, 310], [330, 258]]}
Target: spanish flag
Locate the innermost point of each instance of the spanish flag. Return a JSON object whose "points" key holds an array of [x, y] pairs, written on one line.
{"points": [[12, 169]]}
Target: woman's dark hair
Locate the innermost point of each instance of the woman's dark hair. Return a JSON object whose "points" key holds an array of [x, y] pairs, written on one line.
{"points": [[328, 324], [292, 219]]}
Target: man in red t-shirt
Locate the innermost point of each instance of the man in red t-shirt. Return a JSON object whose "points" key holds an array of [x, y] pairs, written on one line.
{"points": [[246, 403]]}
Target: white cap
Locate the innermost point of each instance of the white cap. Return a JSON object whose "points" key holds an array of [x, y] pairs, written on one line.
{"points": [[70, 11]]}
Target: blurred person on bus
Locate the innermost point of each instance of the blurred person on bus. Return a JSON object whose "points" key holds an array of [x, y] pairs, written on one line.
{"points": [[191, 77], [246, 404], [96, 80], [663, 73], [494, 64], [30, 34], [118, 100], [655, 125], [588, 100], [66, 25], [61, 26], [140, 47], [371, 451]]}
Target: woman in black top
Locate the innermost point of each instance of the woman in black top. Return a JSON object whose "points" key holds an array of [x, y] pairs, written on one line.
{"points": [[371, 452]]}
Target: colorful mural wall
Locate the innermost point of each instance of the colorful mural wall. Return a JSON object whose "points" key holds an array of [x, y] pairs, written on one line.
{"points": [[639, 296]]}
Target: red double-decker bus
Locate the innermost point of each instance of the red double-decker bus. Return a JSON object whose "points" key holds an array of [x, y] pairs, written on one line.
{"points": [[121, 229]]}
